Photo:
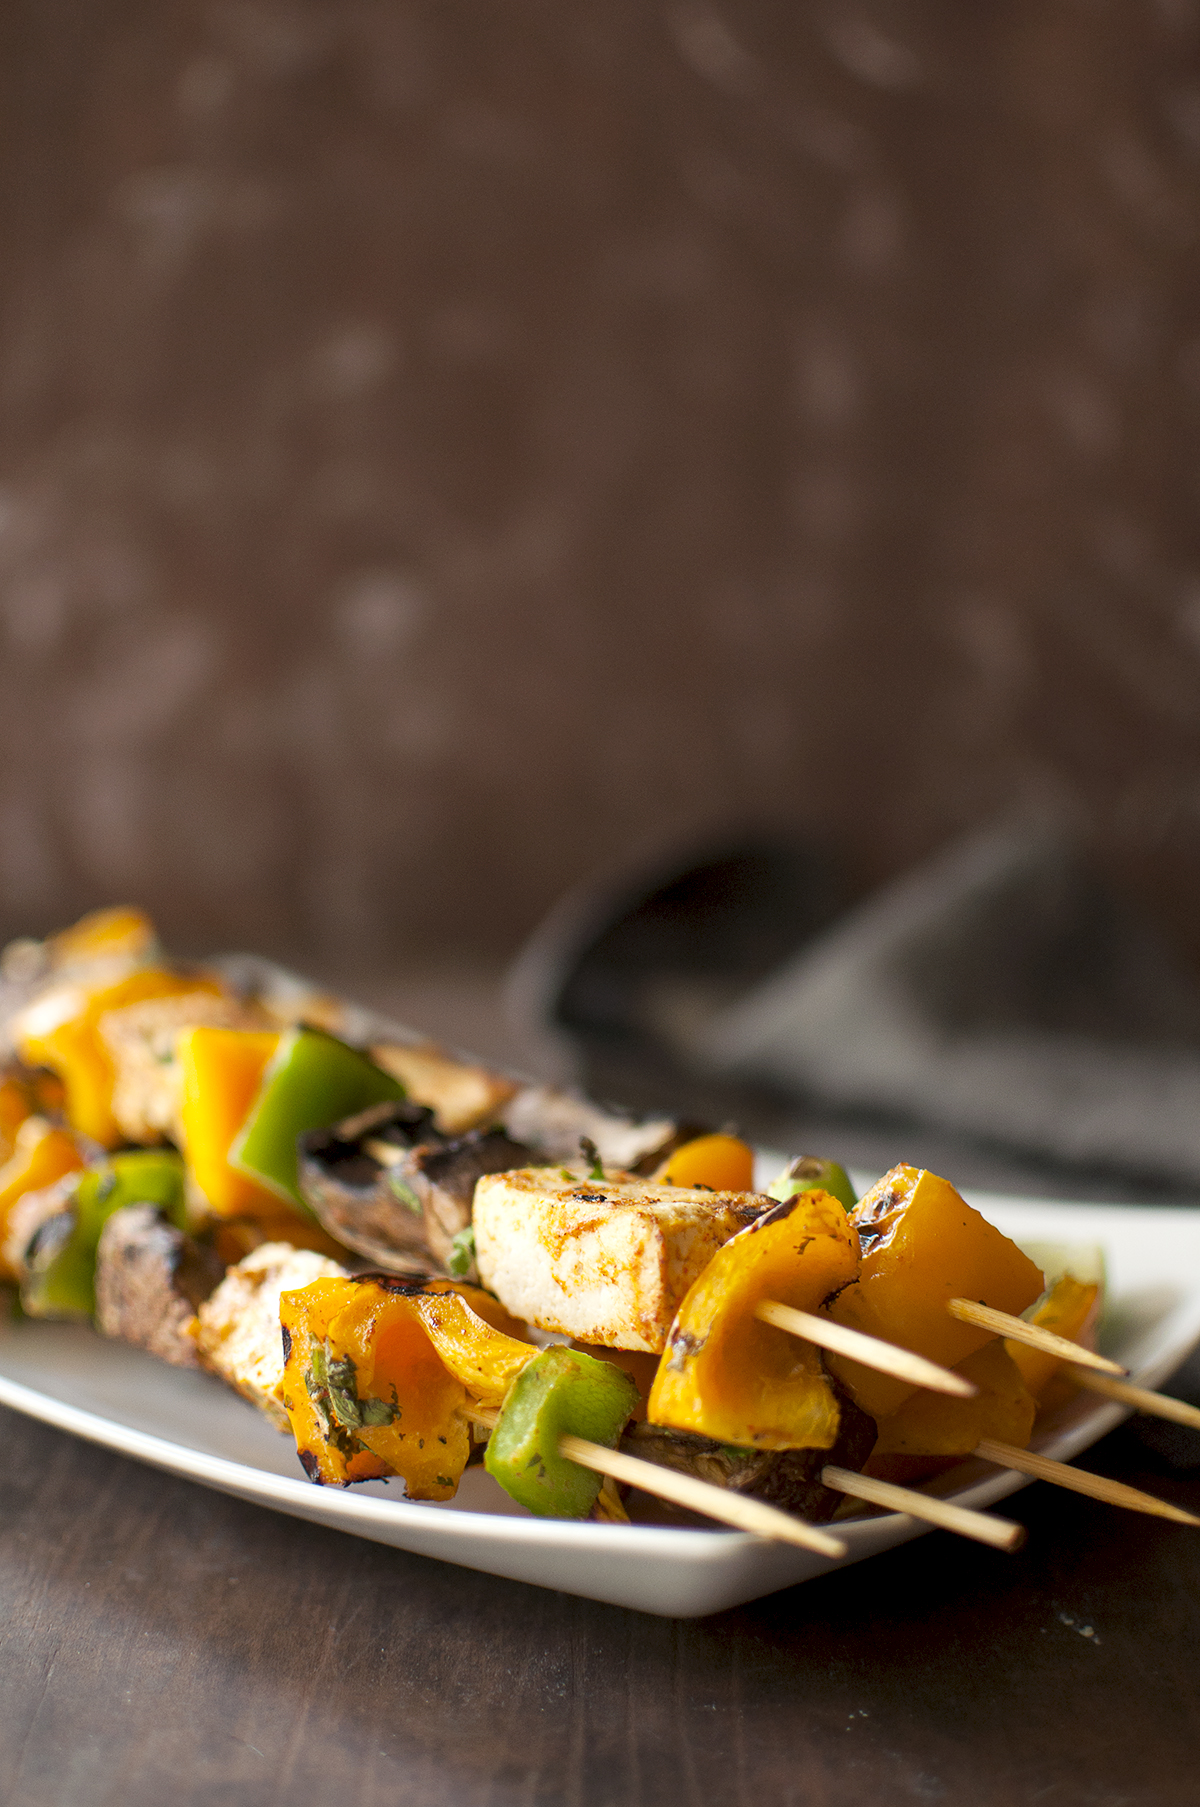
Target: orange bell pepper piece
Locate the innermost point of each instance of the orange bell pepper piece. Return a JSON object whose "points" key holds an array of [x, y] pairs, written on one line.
{"points": [[1069, 1309], [922, 1246], [377, 1374], [932, 1424], [410, 1404], [723, 1373], [723, 1163], [365, 1390]]}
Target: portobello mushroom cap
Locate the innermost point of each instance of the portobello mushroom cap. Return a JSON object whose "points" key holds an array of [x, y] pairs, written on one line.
{"points": [[442, 1180], [389, 1186], [788, 1478], [346, 1187]]}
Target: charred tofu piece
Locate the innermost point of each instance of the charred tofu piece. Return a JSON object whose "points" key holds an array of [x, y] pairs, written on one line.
{"points": [[788, 1478], [461, 1096], [238, 1333], [389, 1187], [606, 1261], [150, 1281]]}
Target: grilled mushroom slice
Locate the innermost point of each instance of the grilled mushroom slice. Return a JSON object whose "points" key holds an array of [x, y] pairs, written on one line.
{"points": [[553, 1122], [440, 1181], [387, 1185], [789, 1478], [344, 1173], [150, 1280]]}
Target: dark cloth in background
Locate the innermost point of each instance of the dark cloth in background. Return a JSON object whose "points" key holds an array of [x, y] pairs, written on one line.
{"points": [[1001, 990]]}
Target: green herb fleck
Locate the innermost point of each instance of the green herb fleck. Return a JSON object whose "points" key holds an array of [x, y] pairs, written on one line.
{"points": [[462, 1253], [343, 1393], [591, 1155], [405, 1193]]}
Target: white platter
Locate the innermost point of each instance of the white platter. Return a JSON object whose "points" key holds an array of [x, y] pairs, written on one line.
{"points": [[190, 1425]]}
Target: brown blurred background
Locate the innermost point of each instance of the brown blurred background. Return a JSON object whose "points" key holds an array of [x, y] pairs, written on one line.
{"points": [[445, 447]]}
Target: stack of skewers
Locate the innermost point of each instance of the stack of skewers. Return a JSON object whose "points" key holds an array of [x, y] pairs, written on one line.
{"points": [[413, 1264]]}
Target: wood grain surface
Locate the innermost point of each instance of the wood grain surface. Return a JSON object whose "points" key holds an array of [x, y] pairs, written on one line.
{"points": [[162, 1644]]}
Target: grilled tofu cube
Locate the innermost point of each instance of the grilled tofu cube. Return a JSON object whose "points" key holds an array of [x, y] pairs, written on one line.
{"points": [[605, 1261], [238, 1332]]}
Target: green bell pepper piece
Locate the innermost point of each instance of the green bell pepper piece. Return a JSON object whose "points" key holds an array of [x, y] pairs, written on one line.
{"points": [[560, 1391], [65, 1285], [809, 1174], [313, 1080]]}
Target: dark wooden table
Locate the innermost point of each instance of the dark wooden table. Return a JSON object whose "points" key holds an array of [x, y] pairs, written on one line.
{"points": [[160, 1644]]}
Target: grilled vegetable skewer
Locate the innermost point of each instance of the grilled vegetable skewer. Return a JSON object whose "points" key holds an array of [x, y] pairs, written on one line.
{"points": [[394, 1370], [557, 1451]]}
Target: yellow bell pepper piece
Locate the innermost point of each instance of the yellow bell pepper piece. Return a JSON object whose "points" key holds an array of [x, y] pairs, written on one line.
{"points": [[377, 1371], [1067, 1309], [485, 1359], [330, 1452], [119, 933], [923, 1245], [723, 1163], [723, 1373], [221, 1071], [410, 1405], [59, 1031], [931, 1424], [42, 1154]]}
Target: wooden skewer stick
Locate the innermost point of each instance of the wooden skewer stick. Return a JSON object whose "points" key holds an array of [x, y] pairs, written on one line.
{"points": [[1001, 1533], [871, 1351], [1158, 1405], [1001, 1323], [1097, 1487], [739, 1510]]}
